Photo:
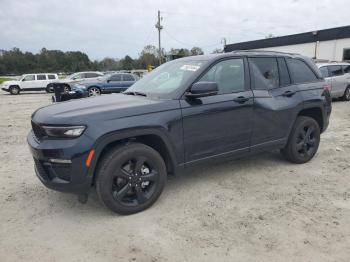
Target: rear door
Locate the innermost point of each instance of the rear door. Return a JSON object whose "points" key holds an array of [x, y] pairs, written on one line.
{"points": [[114, 83], [339, 82], [275, 101], [41, 81], [128, 80]]}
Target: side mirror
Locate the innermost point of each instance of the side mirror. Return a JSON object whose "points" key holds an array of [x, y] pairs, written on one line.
{"points": [[109, 80], [202, 89]]}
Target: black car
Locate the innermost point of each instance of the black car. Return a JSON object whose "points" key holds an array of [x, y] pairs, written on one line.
{"points": [[185, 112]]}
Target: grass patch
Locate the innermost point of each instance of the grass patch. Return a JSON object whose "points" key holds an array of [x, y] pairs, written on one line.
{"points": [[3, 79]]}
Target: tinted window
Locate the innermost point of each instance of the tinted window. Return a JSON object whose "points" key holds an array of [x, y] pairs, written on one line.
{"points": [[41, 77], [128, 78], [346, 54], [283, 72], [346, 69], [116, 77], [324, 71], [29, 78], [265, 72], [51, 76], [300, 71], [335, 70], [228, 74], [91, 75]]}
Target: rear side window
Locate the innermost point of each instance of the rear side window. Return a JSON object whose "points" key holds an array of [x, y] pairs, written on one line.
{"points": [[283, 72], [91, 75], [300, 71], [335, 70], [41, 77], [346, 69], [51, 76], [228, 74], [128, 78], [116, 77], [324, 71], [265, 72]]}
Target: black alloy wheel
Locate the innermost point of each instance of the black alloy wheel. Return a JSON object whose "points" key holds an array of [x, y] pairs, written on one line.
{"points": [[130, 178], [303, 141]]}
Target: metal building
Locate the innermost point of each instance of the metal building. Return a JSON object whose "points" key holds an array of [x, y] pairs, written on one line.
{"points": [[329, 44]]}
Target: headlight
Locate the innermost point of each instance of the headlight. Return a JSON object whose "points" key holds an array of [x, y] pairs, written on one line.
{"points": [[64, 131]]}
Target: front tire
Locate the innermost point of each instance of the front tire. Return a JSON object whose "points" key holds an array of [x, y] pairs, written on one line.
{"points": [[14, 90], [346, 95], [94, 91], [303, 141], [130, 178]]}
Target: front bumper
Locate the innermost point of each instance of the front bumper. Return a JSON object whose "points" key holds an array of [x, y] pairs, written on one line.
{"points": [[71, 176], [5, 89]]}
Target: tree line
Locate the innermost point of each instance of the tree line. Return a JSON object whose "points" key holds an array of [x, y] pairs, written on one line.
{"points": [[15, 62]]}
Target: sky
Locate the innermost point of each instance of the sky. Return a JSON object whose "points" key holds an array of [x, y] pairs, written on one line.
{"points": [[115, 28]]}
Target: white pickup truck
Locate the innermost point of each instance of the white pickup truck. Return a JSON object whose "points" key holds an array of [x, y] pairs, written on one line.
{"points": [[30, 82]]}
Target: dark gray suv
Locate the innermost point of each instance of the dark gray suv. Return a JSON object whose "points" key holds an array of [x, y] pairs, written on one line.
{"points": [[185, 112]]}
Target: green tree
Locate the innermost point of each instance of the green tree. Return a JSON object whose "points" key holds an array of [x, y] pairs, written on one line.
{"points": [[196, 51]]}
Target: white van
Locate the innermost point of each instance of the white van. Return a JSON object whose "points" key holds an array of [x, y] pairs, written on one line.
{"points": [[30, 82]]}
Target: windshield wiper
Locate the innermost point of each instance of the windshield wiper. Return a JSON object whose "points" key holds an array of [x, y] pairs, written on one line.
{"points": [[135, 93]]}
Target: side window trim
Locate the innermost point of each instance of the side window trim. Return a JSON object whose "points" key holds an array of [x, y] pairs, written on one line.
{"points": [[279, 72]]}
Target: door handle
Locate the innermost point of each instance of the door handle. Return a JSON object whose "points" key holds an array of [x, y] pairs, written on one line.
{"points": [[241, 99], [289, 93]]}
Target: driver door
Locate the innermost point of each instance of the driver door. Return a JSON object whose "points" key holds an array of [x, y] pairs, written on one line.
{"points": [[220, 124], [28, 82]]}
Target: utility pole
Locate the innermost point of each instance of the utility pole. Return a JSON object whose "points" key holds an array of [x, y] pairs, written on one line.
{"points": [[159, 27], [224, 42]]}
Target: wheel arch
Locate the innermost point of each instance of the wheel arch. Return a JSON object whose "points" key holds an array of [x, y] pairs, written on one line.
{"points": [[315, 113], [153, 138]]}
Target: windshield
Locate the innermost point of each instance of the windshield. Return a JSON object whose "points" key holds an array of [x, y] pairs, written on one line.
{"points": [[165, 80]]}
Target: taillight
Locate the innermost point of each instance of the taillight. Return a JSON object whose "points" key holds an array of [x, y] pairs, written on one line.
{"points": [[327, 87]]}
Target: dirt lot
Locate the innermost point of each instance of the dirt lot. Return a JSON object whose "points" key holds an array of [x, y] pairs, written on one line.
{"points": [[258, 209]]}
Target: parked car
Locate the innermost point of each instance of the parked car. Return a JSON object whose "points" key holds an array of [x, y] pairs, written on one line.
{"points": [[72, 79], [112, 83], [187, 111], [29, 82], [338, 76]]}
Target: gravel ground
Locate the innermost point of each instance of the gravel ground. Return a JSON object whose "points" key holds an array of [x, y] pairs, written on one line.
{"points": [[257, 209]]}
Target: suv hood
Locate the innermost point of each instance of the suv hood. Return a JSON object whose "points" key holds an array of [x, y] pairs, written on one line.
{"points": [[11, 82], [107, 107]]}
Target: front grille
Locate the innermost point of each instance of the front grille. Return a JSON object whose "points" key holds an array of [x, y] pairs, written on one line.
{"points": [[38, 131]]}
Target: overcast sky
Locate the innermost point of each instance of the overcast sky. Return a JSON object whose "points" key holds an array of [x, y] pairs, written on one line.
{"points": [[115, 28]]}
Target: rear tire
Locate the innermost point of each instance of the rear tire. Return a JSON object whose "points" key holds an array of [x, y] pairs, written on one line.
{"points": [[346, 96], [303, 141], [49, 88], [15, 90], [130, 178]]}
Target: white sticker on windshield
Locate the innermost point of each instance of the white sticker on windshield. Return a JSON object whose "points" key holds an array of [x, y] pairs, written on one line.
{"points": [[190, 67]]}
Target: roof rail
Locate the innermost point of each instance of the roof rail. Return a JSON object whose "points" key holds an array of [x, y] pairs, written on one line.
{"points": [[262, 51]]}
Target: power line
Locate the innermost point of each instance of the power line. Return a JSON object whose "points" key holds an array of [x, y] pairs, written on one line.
{"points": [[187, 44]]}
